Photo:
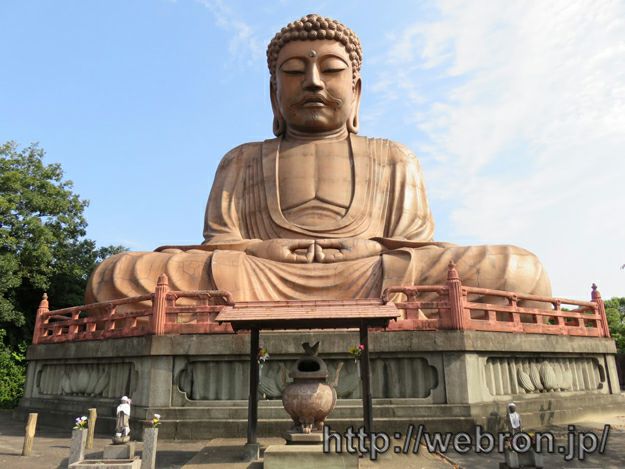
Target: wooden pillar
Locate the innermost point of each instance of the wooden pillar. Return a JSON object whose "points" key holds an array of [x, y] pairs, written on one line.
{"points": [[596, 298], [456, 305], [29, 435], [43, 308], [159, 305], [252, 405], [93, 416], [365, 380]]}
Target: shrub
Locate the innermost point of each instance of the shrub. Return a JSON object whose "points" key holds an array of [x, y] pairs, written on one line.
{"points": [[12, 373]]}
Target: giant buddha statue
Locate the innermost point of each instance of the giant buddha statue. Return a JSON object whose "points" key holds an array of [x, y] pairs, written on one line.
{"points": [[318, 212]]}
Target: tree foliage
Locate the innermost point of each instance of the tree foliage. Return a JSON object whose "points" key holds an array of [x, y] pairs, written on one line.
{"points": [[12, 373], [42, 239], [615, 312]]}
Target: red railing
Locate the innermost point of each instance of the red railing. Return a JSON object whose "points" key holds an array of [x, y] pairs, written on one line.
{"points": [[163, 316], [453, 306], [426, 307]]}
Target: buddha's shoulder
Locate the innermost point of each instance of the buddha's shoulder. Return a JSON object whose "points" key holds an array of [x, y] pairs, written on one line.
{"points": [[396, 151], [241, 154]]}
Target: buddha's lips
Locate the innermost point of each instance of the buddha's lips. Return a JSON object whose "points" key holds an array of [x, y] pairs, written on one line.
{"points": [[318, 100]]}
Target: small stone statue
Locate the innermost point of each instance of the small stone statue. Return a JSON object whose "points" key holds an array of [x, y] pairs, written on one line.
{"points": [[122, 425], [513, 419]]}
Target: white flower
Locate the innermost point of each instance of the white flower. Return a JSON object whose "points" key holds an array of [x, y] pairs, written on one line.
{"points": [[83, 418], [157, 416]]}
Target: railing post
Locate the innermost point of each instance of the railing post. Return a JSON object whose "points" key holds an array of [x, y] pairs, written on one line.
{"points": [[559, 319], [596, 298], [43, 308], [159, 305], [516, 318], [456, 304]]}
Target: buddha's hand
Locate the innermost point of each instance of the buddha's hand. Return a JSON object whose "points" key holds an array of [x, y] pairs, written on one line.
{"points": [[347, 249], [297, 251]]}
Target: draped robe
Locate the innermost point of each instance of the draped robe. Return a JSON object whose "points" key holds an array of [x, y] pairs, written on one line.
{"points": [[389, 205]]}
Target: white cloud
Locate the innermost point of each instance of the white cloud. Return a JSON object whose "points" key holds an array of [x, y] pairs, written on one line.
{"points": [[526, 139], [244, 45]]}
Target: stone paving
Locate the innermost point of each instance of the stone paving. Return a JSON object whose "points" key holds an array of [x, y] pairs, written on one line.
{"points": [[614, 456], [226, 452], [51, 449]]}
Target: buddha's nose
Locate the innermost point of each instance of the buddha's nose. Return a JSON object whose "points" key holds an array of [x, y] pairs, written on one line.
{"points": [[312, 81]]}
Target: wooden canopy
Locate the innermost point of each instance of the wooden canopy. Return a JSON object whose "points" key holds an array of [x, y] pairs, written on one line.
{"points": [[326, 314]]}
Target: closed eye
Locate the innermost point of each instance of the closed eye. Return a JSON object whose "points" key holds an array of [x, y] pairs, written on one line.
{"points": [[332, 70], [333, 64], [293, 66]]}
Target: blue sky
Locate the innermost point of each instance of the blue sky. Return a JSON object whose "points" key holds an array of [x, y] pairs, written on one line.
{"points": [[516, 110]]}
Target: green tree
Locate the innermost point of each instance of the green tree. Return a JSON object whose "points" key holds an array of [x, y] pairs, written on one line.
{"points": [[12, 373], [615, 312], [42, 240]]}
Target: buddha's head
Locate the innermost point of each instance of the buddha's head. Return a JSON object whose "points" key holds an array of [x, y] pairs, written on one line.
{"points": [[315, 84]]}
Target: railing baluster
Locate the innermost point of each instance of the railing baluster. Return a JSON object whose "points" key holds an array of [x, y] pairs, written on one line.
{"points": [[73, 327]]}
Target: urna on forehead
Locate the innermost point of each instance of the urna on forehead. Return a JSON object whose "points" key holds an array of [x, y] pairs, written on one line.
{"points": [[315, 27]]}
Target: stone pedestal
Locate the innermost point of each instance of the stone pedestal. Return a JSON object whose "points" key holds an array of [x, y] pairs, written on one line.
{"points": [[527, 460], [148, 457], [307, 457], [77, 448], [448, 380], [123, 451], [313, 438]]}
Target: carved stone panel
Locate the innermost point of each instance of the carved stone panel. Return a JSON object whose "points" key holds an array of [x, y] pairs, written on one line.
{"points": [[108, 380], [394, 377], [508, 376]]}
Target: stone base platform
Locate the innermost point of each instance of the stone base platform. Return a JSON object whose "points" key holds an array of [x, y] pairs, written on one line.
{"points": [[307, 457], [134, 463], [123, 451], [447, 380], [295, 438]]}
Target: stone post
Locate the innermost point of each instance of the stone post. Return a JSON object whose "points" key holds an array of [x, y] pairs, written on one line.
{"points": [[596, 298], [93, 415], [148, 456], [456, 307], [29, 435], [159, 305], [43, 308], [77, 450]]}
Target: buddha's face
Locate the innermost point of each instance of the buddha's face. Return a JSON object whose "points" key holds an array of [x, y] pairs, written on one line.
{"points": [[314, 90]]}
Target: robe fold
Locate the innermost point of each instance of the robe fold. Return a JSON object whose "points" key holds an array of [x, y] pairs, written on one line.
{"points": [[389, 205]]}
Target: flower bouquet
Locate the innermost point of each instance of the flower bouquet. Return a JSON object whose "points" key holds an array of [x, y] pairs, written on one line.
{"points": [[263, 356], [80, 423]]}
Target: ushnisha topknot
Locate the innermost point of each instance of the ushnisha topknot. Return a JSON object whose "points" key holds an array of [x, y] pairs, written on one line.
{"points": [[309, 28]]}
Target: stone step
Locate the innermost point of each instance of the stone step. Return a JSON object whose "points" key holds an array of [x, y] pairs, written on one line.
{"points": [[278, 412], [198, 429]]}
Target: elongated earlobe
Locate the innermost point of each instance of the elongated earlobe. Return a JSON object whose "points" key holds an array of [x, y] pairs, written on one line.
{"points": [[279, 124], [353, 122], [352, 125]]}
